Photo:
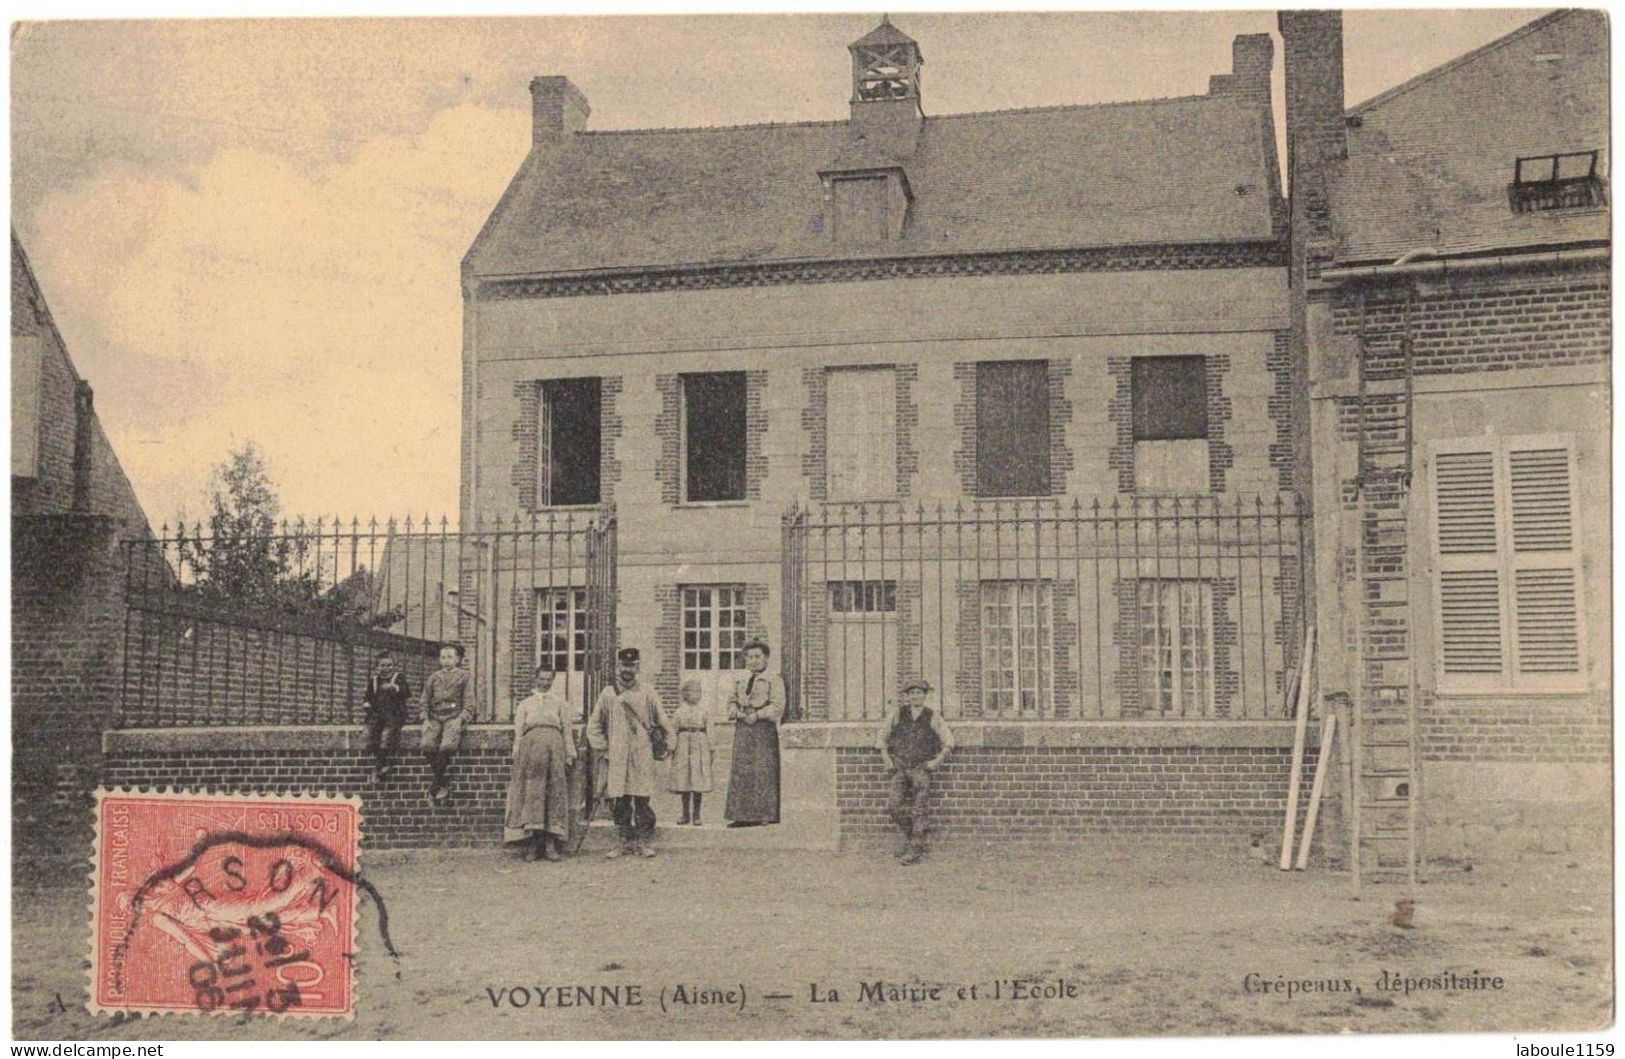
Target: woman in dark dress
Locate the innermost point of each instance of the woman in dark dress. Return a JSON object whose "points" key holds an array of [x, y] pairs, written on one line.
{"points": [[756, 706]]}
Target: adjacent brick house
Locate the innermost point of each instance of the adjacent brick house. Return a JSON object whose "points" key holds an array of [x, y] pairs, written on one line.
{"points": [[71, 506], [894, 392], [1451, 258]]}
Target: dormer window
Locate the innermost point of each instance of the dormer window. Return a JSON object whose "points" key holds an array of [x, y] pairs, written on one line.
{"points": [[1555, 182], [860, 210]]}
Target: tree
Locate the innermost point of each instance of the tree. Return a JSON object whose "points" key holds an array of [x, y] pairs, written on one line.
{"points": [[240, 557], [247, 557]]}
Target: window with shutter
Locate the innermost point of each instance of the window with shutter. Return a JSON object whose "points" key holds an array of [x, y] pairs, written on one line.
{"points": [[1012, 428], [1509, 613], [861, 433]]}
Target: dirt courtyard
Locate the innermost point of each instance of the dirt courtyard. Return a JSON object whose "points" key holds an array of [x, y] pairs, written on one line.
{"points": [[1126, 943]]}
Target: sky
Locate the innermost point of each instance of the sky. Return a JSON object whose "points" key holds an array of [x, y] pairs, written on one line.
{"points": [[251, 230]]}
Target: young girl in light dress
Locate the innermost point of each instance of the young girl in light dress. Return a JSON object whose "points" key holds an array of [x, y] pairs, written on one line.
{"points": [[690, 774]]}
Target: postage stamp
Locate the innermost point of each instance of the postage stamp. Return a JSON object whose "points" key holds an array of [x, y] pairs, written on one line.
{"points": [[224, 903]]}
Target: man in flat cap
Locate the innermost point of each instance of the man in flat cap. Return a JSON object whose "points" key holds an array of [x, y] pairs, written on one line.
{"points": [[913, 742], [618, 731]]}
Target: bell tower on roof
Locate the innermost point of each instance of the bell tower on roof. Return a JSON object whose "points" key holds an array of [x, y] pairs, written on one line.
{"points": [[886, 85], [886, 66]]}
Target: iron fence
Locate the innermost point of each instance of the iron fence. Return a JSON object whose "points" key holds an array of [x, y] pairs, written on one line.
{"points": [[282, 625], [1053, 608]]}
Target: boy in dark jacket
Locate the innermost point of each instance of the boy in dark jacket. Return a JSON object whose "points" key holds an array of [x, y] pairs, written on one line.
{"points": [[385, 701]]}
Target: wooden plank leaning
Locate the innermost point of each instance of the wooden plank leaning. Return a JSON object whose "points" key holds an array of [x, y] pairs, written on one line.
{"points": [[1328, 734], [1305, 671]]}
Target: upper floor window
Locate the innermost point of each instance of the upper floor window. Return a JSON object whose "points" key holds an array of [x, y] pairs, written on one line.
{"points": [[569, 440], [1012, 428], [861, 432], [1170, 424], [713, 435], [1555, 182]]}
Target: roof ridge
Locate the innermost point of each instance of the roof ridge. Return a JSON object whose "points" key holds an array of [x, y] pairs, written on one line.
{"points": [[711, 128], [1074, 106], [1461, 60], [1046, 108]]}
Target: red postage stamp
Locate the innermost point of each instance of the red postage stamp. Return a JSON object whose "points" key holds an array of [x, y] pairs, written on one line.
{"points": [[224, 903]]}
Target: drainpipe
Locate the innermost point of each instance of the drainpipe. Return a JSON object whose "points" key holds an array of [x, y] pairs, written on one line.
{"points": [[1427, 263]]}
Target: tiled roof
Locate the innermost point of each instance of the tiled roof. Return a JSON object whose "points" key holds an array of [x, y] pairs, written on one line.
{"points": [[1430, 160], [1184, 170]]}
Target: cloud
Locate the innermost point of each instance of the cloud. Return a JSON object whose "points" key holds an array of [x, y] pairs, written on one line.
{"points": [[313, 309]]}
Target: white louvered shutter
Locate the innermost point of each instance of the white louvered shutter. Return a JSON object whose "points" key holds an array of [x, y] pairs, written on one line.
{"points": [[1544, 565], [1472, 597], [1509, 593]]}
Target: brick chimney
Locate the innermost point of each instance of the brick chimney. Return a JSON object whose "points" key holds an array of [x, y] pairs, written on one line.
{"points": [[557, 108], [1314, 85], [1252, 56], [1252, 59]]}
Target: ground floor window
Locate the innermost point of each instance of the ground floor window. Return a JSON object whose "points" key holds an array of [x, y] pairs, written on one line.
{"points": [[1176, 646], [713, 627], [1018, 641], [561, 629]]}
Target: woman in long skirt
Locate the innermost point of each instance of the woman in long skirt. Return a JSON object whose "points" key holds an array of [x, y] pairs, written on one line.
{"points": [[756, 705], [539, 787]]}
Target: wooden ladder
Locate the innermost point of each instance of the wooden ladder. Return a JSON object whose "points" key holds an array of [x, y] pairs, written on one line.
{"points": [[1383, 725]]}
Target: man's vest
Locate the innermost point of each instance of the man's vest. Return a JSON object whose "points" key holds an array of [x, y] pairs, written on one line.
{"points": [[912, 741]]}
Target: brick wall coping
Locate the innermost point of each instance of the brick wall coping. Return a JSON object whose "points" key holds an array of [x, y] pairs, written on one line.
{"points": [[280, 737], [800, 735], [1126, 734]]}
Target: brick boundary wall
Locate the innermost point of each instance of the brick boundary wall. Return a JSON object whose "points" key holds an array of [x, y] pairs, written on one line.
{"points": [[1007, 784], [998, 795], [67, 621], [396, 814]]}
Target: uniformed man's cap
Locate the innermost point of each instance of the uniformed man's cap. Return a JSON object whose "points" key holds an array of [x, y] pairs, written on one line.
{"points": [[627, 654], [921, 683]]}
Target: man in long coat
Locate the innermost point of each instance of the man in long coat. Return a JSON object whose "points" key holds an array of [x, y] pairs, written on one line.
{"points": [[618, 732]]}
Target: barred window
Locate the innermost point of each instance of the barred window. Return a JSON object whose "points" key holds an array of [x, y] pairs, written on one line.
{"points": [[1018, 641], [857, 597], [1176, 646]]}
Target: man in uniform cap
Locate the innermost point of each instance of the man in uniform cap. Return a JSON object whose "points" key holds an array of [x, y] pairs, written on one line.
{"points": [[618, 730], [913, 742]]}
